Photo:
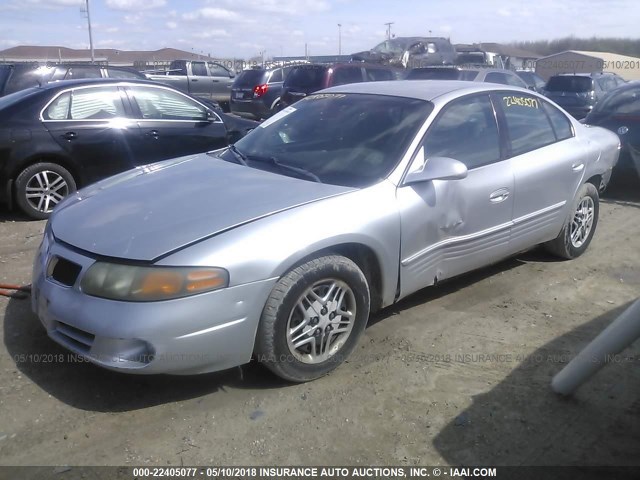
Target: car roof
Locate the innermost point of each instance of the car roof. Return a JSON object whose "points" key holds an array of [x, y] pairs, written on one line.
{"points": [[420, 89], [95, 81]]}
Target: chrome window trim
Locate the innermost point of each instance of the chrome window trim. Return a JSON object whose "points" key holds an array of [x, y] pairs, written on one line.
{"points": [[125, 84]]}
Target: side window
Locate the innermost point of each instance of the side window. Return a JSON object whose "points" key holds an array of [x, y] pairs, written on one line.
{"points": [[83, 72], [378, 74], [276, 76], [528, 125], [344, 75], [515, 81], [115, 73], [199, 69], [561, 124], [161, 104], [96, 104], [59, 108], [495, 77], [466, 131], [218, 70]]}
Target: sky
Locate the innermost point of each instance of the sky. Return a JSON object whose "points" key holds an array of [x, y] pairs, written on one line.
{"points": [[243, 28]]}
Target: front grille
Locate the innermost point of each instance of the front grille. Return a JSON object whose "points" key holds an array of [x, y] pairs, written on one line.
{"points": [[74, 337], [63, 271]]}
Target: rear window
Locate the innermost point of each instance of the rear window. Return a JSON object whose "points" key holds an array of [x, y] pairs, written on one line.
{"points": [[308, 77], [433, 74], [5, 70], [569, 84], [249, 78], [25, 76]]}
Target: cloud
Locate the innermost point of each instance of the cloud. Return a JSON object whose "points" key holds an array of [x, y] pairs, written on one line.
{"points": [[171, 25], [211, 13], [131, 5], [217, 33]]}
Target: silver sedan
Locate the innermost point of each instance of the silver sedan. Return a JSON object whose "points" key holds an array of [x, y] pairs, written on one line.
{"points": [[280, 246]]}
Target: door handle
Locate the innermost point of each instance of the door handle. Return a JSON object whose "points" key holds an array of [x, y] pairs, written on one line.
{"points": [[215, 81], [70, 135], [577, 167], [194, 79], [153, 133], [499, 195]]}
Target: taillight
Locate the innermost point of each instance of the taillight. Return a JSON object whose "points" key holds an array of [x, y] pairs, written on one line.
{"points": [[260, 90]]}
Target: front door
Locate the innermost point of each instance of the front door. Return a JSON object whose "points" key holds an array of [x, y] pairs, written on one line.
{"points": [[173, 125], [453, 226]]}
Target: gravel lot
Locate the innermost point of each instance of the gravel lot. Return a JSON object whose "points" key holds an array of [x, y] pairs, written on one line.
{"points": [[456, 374]]}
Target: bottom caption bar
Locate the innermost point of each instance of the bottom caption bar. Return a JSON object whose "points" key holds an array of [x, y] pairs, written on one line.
{"points": [[276, 473]]}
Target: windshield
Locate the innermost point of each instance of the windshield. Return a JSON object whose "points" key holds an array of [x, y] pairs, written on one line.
{"points": [[342, 139], [249, 78], [621, 104], [434, 74], [569, 84], [391, 46]]}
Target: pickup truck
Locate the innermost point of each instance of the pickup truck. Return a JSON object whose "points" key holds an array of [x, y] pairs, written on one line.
{"points": [[207, 80]]}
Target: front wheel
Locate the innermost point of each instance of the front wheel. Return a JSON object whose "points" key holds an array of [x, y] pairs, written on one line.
{"points": [[41, 186], [578, 231], [313, 318]]}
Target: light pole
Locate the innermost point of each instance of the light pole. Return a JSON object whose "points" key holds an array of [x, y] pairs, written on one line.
{"points": [[90, 34], [339, 39], [388, 24]]}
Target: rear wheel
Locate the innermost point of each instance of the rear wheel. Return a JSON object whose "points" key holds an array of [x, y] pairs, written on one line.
{"points": [[313, 318], [576, 235], [40, 187]]}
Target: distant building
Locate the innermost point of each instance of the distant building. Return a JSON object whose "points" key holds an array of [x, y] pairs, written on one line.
{"points": [[139, 59], [576, 61]]}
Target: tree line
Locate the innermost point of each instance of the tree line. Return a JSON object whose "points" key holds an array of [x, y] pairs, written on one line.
{"points": [[621, 46]]}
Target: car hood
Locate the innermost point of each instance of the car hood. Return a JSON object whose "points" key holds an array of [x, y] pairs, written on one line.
{"points": [[151, 211]]}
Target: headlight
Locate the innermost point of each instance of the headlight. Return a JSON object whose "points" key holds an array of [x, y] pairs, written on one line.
{"points": [[150, 284]]}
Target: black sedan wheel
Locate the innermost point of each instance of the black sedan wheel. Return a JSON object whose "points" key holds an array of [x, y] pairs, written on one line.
{"points": [[313, 318], [40, 187]]}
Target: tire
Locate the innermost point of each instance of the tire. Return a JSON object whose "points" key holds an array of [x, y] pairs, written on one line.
{"points": [[576, 235], [300, 357], [41, 186]]}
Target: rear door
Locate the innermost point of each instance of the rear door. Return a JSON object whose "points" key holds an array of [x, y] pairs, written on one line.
{"points": [[172, 124], [452, 226], [200, 84], [92, 125], [344, 75], [221, 81], [548, 164]]}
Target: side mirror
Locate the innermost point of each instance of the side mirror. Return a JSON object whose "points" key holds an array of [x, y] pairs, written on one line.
{"points": [[438, 168]]}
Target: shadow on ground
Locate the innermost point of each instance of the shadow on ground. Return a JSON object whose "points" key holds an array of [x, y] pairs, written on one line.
{"points": [[623, 190], [522, 422], [83, 385]]}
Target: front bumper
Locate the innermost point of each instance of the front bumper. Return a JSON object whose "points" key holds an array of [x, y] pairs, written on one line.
{"points": [[199, 334]]}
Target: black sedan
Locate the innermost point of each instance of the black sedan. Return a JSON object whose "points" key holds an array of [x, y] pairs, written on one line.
{"points": [[619, 111], [62, 136]]}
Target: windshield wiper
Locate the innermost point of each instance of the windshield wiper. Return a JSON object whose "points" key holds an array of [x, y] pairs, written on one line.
{"points": [[240, 157], [283, 166]]}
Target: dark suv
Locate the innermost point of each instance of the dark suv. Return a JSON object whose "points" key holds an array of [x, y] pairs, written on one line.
{"points": [[306, 79], [16, 77], [256, 92], [578, 93], [410, 52]]}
